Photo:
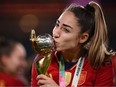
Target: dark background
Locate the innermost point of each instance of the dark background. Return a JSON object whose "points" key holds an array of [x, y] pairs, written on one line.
{"points": [[44, 14], [18, 17]]}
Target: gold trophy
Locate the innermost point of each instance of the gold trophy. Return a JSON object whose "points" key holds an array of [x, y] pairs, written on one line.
{"points": [[44, 46]]}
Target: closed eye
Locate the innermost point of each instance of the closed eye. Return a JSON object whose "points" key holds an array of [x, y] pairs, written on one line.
{"points": [[66, 30]]}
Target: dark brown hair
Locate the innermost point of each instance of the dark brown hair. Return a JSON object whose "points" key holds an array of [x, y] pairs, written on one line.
{"points": [[6, 46]]}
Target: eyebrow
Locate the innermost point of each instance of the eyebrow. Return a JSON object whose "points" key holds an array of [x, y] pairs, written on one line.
{"points": [[65, 25]]}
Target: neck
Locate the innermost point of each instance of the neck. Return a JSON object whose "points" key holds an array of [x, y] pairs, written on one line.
{"points": [[72, 55], [7, 71]]}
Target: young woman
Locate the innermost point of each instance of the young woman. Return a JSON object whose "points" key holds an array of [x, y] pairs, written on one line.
{"points": [[12, 62], [81, 57]]}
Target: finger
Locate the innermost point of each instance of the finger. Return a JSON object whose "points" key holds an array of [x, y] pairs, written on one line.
{"points": [[43, 86], [42, 82], [41, 76], [47, 85]]}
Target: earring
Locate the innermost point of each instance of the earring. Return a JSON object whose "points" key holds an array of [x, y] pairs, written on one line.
{"points": [[87, 46]]}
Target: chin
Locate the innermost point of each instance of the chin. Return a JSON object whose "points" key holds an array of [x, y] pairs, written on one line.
{"points": [[60, 49]]}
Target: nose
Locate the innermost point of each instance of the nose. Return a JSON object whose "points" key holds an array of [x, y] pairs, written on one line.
{"points": [[56, 32]]}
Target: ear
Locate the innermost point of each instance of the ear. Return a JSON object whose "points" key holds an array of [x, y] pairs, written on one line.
{"points": [[84, 37]]}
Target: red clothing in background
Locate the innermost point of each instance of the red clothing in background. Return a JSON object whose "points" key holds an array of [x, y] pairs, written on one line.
{"points": [[89, 76], [7, 80]]}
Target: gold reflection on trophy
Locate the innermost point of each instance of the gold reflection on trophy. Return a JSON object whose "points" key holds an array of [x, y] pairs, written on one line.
{"points": [[43, 45]]}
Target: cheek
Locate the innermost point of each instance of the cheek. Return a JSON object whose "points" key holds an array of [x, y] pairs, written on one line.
{"points": [[69, 42], [11, 64], [15, 62], [72, 42]]}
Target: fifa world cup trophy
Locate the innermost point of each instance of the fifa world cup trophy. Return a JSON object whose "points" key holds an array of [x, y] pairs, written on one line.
{"points": [[44, 46]]}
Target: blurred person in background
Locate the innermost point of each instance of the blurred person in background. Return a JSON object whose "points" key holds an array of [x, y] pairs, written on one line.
{"points": [[82, 57], [12, 63]]}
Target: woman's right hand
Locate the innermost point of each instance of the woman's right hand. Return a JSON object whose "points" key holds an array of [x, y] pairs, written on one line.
{"points": [[45, 81]]}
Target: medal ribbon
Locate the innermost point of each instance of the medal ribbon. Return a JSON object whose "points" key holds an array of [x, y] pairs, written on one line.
{"points": [[77, 72], [62, 73]]}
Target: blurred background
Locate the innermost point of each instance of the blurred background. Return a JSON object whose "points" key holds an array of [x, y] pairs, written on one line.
{"points": [[18, 17]]}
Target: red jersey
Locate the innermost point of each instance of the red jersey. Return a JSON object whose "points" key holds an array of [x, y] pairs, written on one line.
{"points": [[89, 76], [8, 80]]}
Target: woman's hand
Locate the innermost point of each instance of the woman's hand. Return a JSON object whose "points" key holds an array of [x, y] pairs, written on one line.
{"points": [[44, 81]]}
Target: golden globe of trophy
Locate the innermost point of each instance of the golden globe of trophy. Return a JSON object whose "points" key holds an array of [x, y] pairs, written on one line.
{"points": [[44, 46]]}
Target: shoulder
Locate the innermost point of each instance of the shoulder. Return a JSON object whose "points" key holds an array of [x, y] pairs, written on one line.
{"points": [[9, 80], [105, 74], [110, 61]]}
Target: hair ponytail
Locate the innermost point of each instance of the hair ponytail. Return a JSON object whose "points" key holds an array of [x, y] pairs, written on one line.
{"points": [[91, 20], [98, 47]]}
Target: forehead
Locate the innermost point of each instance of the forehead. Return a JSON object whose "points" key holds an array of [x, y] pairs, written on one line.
{"points": [[19, 50], [68, 18]]}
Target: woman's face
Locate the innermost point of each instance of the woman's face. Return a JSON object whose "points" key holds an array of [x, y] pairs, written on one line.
{"points": [[16, 61], [66, 32]]}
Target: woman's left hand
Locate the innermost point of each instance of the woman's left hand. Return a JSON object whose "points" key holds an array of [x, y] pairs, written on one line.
{"points": [[45, 81]]}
